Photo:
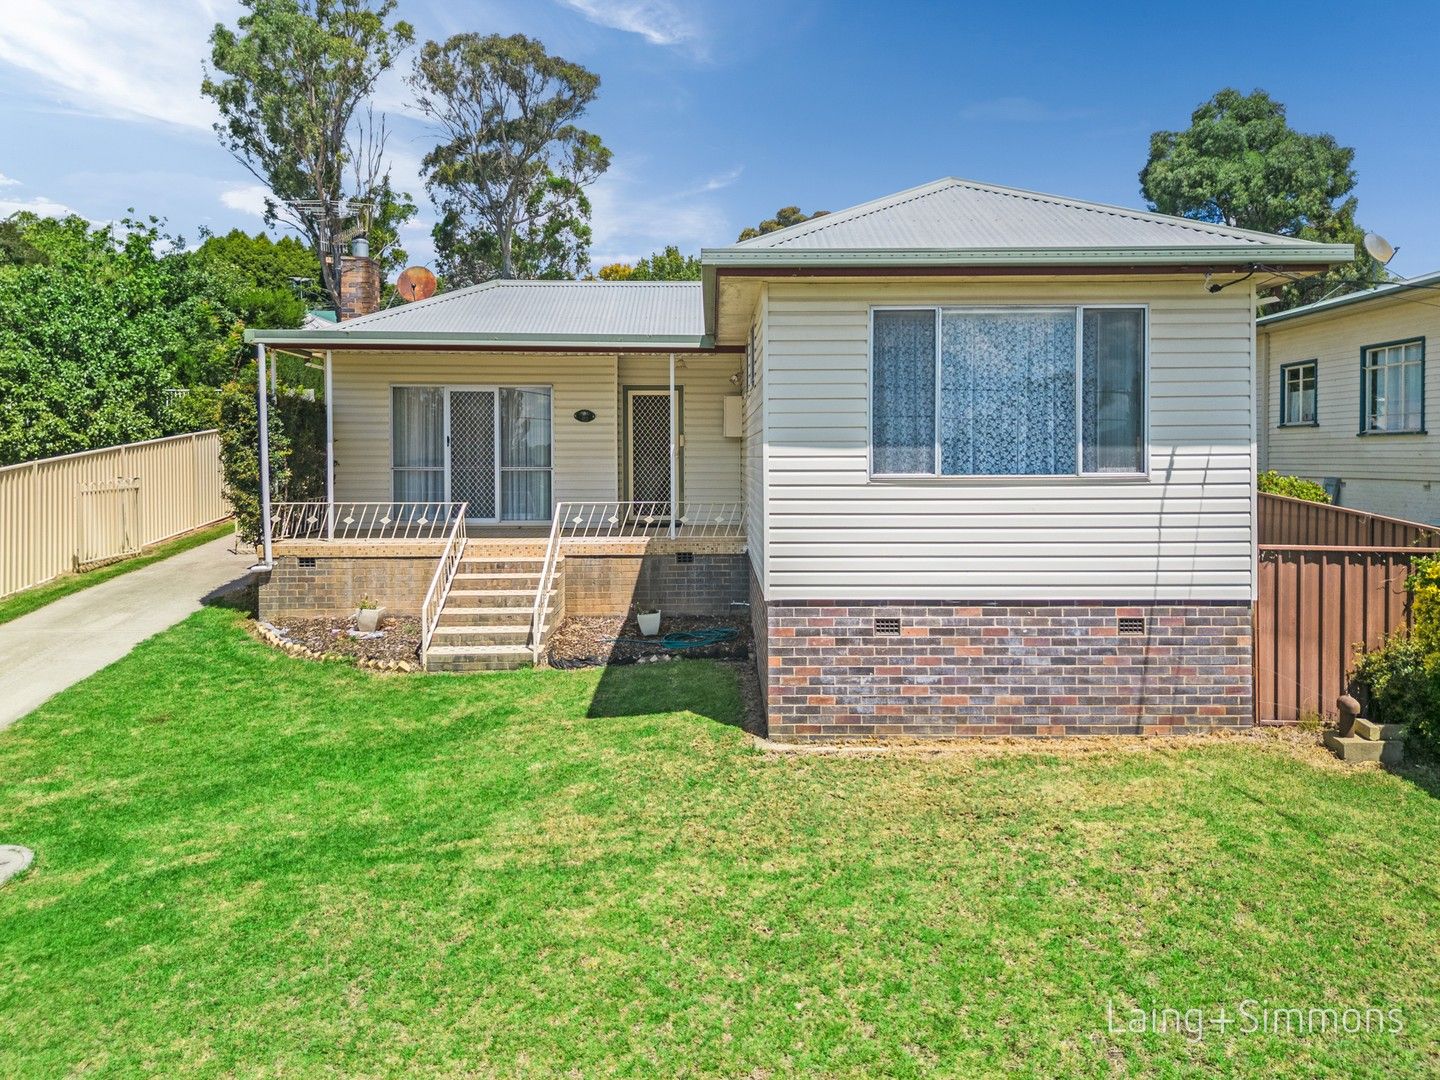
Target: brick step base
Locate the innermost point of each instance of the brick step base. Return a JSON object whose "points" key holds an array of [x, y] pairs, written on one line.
{"points": [[463, 658], [1352, 748]]}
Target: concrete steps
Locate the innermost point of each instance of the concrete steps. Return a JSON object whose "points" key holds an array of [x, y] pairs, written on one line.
{"points": [[485, 625], [1364, 740]]}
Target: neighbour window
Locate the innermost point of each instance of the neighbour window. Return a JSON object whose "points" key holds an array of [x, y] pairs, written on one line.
{"points": [[1297, 393], [1392, 387], [1008, 392]]}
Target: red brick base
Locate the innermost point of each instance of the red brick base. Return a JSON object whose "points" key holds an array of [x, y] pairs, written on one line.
{"points": [[1002, 668]]}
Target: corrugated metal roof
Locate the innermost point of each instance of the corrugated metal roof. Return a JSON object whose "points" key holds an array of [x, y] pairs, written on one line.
{"points": [[1424, 286], [962, 214], [578, 310]]}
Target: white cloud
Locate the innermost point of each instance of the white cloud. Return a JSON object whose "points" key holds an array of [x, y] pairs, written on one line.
{"points": [[249, 199], [38, 205], [660, 22], [129, 59], [7, 181], [630, 222]]}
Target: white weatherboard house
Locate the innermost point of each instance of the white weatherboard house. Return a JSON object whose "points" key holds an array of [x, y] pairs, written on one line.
{"points": [[979, 461], [1344, 398]]}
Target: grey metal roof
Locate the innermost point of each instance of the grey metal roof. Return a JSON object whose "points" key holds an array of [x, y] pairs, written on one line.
{"points": [[552, 313], [1423, 285], [953, 217]]}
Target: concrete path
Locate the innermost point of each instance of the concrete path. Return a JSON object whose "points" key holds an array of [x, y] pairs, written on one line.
{"points": [[44, 652]]}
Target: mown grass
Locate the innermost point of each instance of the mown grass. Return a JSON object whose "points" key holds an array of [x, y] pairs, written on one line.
{"points": [[28, 600], [252, 865]]}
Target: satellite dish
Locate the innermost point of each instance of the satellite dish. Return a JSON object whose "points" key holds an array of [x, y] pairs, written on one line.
{"points": [[1379, 248], [415, 283]]}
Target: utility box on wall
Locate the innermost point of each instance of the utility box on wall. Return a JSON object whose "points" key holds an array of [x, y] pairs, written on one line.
{"points": [[734, 425]]}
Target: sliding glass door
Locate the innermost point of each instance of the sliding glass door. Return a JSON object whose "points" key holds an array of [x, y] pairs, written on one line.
{"points": [[487, 446]]}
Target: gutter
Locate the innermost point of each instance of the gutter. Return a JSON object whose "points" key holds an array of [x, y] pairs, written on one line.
{"points": [[370, 339], [1229, 255]]}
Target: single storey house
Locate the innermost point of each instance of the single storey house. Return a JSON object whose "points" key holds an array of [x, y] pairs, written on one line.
{"points": [[976, 460], [1344, 398]]}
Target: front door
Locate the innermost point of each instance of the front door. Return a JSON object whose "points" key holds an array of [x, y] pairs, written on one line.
{"points": [[648, 464], [473, 452]]}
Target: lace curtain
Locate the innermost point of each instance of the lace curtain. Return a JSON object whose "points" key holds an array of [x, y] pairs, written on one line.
{"points": [[903, 392], [1007, 393]]}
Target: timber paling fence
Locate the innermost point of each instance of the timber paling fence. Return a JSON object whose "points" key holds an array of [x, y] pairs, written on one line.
{"points": [[1329, 579], [72, 512]]}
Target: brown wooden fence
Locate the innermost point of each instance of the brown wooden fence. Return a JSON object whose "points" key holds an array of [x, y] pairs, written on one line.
{"points": [[63, 513], [1329, 579]]}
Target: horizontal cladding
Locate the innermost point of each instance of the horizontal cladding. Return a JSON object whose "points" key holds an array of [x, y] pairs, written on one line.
{"points": [[585, 460], [1333, 448], [711, 461], [1183, 533]]}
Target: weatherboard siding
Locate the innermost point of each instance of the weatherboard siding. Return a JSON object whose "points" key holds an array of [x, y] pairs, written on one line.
{"points": [[1184, 532], [1384, 474], [754, 449], [585, 455], [710, 461]]}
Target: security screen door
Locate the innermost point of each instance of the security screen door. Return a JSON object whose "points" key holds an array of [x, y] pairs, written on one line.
{"points": [[473, 452], [649, 457]]}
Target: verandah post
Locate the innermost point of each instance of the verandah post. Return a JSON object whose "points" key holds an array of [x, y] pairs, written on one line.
{"points": [[674, 450], [264, 417]]}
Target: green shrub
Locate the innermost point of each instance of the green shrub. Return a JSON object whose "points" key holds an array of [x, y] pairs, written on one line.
{"points": [[1400, 683], [1274, 483], [297, 449]]}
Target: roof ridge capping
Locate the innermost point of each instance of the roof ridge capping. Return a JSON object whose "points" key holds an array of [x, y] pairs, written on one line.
{"points": [[787, 240]]}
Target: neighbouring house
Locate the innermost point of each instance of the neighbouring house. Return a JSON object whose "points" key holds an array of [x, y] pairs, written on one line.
{"points": [[978, 461], [1344, 398]]}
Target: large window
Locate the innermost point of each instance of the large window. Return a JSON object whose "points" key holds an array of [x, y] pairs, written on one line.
{"points": [[1392, 387], [418, 444], [1007, 392], [1297, 394]]}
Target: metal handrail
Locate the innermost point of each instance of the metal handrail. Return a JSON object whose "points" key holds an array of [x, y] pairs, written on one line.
{"points": [[347, 521], [439, 591], [598, 522]]}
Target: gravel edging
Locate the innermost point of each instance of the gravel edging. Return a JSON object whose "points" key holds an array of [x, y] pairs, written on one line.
{"points": [[270, 636]]}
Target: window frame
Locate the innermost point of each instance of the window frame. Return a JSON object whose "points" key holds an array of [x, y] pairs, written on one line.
{"points": [[1078, 308], [1285, 370], [1365, 350]]}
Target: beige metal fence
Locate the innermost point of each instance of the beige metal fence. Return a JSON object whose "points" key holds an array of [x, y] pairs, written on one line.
{"points": [[65, 513]]}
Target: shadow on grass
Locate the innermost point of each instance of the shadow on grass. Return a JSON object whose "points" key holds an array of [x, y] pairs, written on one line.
{"points": [[242, 595], [713, 690]]}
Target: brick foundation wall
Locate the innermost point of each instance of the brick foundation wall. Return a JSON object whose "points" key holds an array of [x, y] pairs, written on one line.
{"points": [[611, 584], [334, 586], [993, 669]]}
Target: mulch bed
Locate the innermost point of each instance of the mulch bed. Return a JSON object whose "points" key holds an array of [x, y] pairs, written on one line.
{"points": [[587, 640], [400, 639]]}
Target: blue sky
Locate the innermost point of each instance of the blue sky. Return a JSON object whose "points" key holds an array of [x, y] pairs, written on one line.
{"points": [[718, 113]]}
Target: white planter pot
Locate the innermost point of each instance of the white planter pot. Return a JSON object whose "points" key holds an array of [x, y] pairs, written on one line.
{"points": [[649, 622], [368, 619]]}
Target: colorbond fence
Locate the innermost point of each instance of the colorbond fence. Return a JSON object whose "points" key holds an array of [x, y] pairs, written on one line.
{"points": [[1329, 579], [65, 513]]}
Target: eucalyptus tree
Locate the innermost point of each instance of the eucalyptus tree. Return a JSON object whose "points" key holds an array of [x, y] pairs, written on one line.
{"points": [[293, 81], [510, 173]]}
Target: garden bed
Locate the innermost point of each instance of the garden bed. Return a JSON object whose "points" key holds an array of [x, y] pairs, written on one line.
{"points": [[397, 638], [598, 640]]}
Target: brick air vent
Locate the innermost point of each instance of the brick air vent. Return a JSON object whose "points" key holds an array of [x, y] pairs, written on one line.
{"points": [[684, 556], [1131, 624], [307, 562], [887, 626]]}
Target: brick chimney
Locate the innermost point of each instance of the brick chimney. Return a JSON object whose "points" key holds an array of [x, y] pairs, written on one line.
{"points": [[359, 282]]}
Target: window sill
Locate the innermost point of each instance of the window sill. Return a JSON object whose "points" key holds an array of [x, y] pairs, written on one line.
{"points": [[1301, 424], [1001, 478], [1373, 434]]}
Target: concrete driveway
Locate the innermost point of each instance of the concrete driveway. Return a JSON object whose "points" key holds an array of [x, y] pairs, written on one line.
{"points": [[44, 652]]}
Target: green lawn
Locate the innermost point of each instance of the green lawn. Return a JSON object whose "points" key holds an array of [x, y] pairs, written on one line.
{"points": [[253, 865], [22, 603]]}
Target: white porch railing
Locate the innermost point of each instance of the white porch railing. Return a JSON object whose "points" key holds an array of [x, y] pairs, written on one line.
{"points": [[598, 522], [440, 584], [366, 520]]}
